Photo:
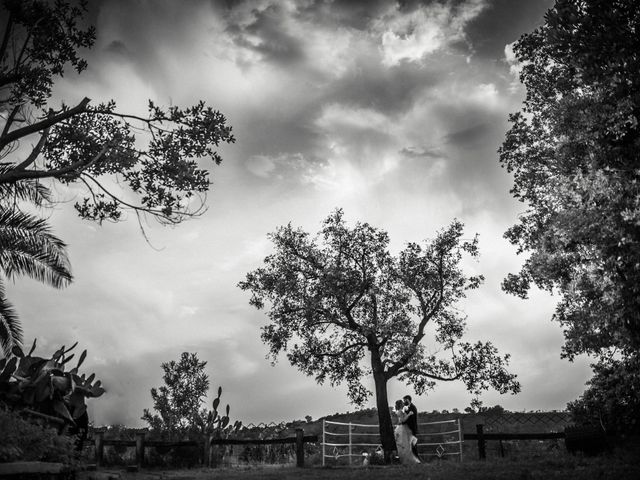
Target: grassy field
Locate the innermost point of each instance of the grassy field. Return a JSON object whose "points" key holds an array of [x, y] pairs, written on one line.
{"points": [[612, 467]]}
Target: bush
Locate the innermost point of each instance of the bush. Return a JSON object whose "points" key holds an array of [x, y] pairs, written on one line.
{"points": [[612, 399], [21, 440]]}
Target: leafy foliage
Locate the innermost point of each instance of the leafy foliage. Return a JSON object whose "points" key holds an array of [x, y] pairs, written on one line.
{"points": [[612, 399], [178, 402], [336, 297], [91, 146], [22, 440], [145, 164], [42, 385], [573, 151]]}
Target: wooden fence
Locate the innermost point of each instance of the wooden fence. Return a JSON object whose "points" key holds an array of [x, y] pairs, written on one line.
{"points": [[482, 438], [140, 443]]}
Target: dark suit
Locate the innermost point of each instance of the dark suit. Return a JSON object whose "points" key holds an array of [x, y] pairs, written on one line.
{"points": [[412, 423]]}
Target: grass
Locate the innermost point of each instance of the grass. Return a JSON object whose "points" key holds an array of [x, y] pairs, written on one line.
{"points": [[610, 467]]}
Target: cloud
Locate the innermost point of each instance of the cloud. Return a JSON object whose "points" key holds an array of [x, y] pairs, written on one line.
{"points": [[414, 34], [393, 111], [515, 67], [336, 117], [421, 152]]}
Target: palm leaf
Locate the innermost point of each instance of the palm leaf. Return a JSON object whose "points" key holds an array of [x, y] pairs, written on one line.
{"points": [[27, 247], [10, 328], [24, 190]]}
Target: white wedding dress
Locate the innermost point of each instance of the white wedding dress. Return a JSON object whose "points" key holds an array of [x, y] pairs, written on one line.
{"points": [[404, 440]]}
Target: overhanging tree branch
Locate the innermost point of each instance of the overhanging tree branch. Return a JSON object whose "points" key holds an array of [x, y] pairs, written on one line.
{"points": [[10, 118], [49, 121], [35, 152], [18, 174], [5, 38]]}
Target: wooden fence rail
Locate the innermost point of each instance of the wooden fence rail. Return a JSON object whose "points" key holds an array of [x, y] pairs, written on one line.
{"points": [[140, 443], [482, 438]]}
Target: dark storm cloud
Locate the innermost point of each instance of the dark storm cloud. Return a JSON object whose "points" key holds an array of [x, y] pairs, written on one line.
{"points": [[356, 14], [117, 48], [422, 152], [388, 90], [275, 44], [503, 22], [471, 137], [393, 113]]}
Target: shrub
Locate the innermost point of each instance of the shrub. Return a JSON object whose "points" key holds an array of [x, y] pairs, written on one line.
{"points": [[612, 399], [21, 440]]}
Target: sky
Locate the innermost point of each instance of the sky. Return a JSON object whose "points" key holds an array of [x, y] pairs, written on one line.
{"points": [[393, 112]]}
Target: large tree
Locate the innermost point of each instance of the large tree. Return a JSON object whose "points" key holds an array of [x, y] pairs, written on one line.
{"points": [[335, 299], [574, 151], [147, 164], [114, 161]]}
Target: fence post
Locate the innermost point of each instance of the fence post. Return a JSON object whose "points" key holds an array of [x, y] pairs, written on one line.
{"points": [[324, 438], [299, 447], [460, 438], [140, 449], [208, 451], [350, 443], [482, 446], [99, 443]]}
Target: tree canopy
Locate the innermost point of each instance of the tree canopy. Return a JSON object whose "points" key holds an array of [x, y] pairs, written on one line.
{"points": [[574, 152], [340, 297], [116, 161], [147, 164], [179, 402]]}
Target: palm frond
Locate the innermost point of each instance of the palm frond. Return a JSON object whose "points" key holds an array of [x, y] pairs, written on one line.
{"points": [[10, 327], [27, 247], [24, 190]]}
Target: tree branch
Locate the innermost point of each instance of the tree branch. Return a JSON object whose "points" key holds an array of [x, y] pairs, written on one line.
{"points": [[5, 37], [136, 208], [341, 352], [51, 120], [23, 49], [402, 361], [15, 175], [10, 120], [428, 316], [35, 152], [414, 371]]}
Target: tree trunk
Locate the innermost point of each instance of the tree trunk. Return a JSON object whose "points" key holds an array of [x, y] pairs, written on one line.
{"points": [[384, 415]]}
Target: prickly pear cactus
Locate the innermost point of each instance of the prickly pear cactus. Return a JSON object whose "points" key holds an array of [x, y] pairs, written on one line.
{"points": [[44, 385], [217, 424]]}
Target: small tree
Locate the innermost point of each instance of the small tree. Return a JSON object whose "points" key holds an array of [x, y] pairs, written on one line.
{"points": [[338, 296], [178, 402]]}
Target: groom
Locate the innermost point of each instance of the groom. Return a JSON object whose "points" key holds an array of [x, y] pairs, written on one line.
{"points": [[412, 421]]}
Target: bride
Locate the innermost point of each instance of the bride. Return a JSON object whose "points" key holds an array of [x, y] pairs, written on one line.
{"points": [[404, 438]]}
